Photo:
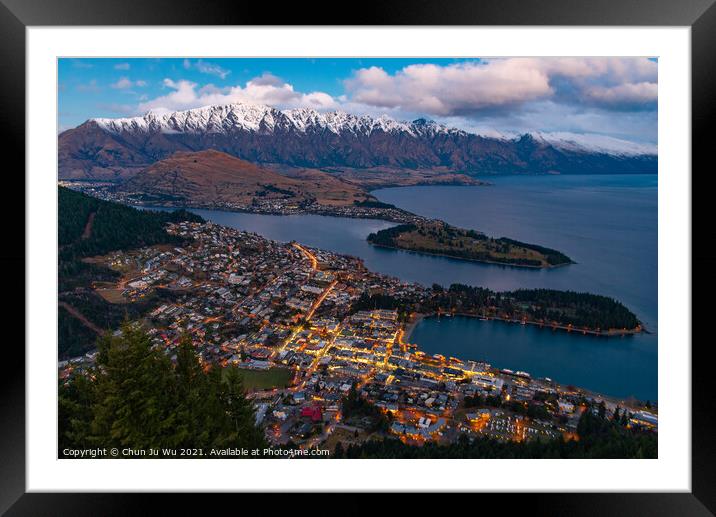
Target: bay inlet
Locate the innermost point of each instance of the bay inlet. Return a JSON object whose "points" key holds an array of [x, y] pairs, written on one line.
{"points": [[607, 224]]}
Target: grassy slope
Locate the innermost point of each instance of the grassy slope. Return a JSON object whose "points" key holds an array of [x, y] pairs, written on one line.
{"points": [[216, 177]]}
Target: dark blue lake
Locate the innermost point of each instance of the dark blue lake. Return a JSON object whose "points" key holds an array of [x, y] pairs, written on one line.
{"points": [[607, 224], [613, 366]]}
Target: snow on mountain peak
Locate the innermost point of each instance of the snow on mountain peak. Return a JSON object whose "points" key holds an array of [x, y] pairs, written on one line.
{"points": [[595, 143], [259, 118]]}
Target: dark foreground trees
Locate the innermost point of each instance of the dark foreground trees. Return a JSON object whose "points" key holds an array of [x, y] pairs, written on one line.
{"points": [[137, 398]]}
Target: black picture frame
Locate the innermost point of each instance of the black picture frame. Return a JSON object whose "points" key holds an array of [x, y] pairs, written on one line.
{"points": [[700, 15]]}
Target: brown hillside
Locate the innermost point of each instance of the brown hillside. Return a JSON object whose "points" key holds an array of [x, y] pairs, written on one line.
{"points": [[212, 176]]}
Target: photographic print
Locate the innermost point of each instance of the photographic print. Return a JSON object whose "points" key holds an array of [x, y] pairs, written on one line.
{"points": [[357, 257]]}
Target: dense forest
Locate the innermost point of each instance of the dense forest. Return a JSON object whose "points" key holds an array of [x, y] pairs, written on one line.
{"points": [[137, 398], [599, 437], [74, 337], [582, 310], [387, 237], [88, 226]]}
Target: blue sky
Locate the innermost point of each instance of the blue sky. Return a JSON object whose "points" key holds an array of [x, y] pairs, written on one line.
{"points": [[608, 97]]}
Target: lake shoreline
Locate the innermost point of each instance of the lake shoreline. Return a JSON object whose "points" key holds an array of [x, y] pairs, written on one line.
{"points": [[410, 327], [564, 328], [469, 341]]}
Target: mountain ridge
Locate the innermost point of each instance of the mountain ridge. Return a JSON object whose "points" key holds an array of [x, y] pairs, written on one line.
{"points": [[116, 148]]}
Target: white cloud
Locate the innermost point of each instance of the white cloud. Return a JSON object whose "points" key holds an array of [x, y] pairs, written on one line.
{"points": [[122, 66], [629, 94], [207, 68], [124, 83], [448, 90], [265, 89], [473, 87]]}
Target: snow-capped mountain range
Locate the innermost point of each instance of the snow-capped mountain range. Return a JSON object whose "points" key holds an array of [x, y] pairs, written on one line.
{"points": [[115, 148], [229, 118], [225, 119]]}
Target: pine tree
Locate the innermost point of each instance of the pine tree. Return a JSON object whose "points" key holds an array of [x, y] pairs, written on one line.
{"points": [[134, 406], [192, 401], [338, 451], [136, 398], [240, 412], [602, 410], [75, 412]]}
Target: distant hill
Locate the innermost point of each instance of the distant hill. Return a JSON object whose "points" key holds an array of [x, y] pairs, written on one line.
{"points": [[117, 149], [215, 177]]}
